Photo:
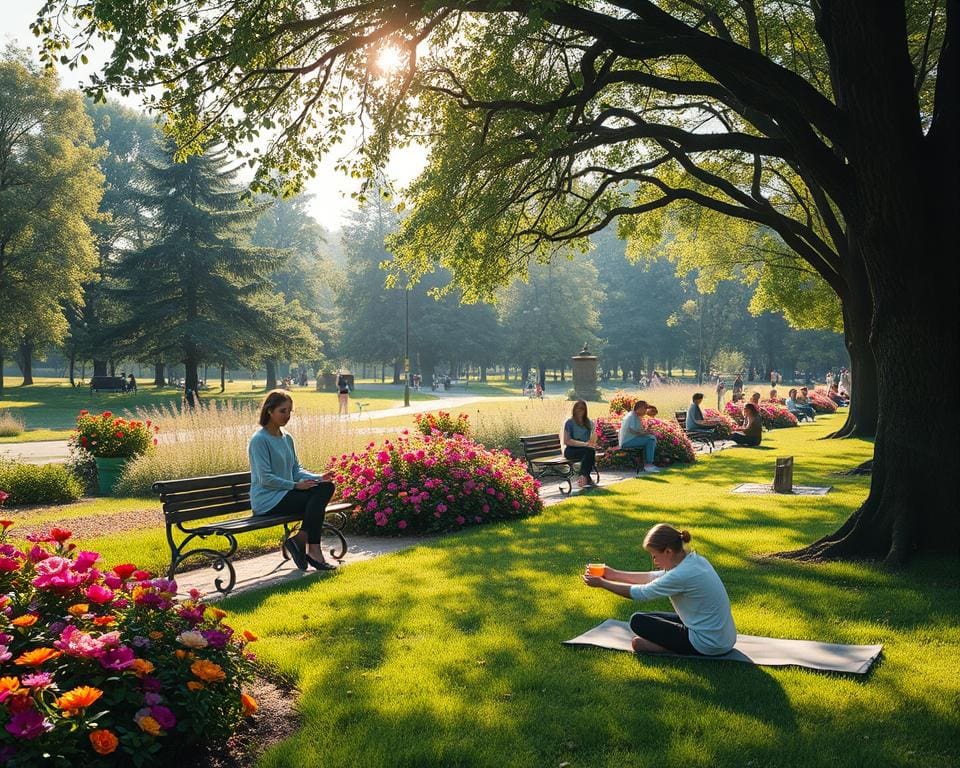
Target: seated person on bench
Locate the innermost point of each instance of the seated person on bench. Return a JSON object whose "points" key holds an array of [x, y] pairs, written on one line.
{"points": [[633, 435], [580, 442], [696, 422], [703, 623], [751, 433], [279, 485], [798, 410]]}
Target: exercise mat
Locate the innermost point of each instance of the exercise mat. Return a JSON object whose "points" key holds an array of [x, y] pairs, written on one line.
{"points": [[763, 651]]}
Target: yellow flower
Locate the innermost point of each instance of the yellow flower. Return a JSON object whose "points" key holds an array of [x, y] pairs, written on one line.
{"points": [[249, 704], [149, 725], [104, 742], [79, 609], [208, 671], [11, 684], [79, 698]]}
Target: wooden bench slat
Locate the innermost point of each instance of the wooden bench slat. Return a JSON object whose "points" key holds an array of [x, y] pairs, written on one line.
{"points": [[212, 511], [177, 504], [241, 489], [199, 483]]}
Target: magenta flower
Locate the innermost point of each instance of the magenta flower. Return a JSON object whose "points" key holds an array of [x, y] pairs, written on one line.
{"points": [[380, 519], [9, 565], [118, 658], [85, 560], [99, 594], [73, 642], [402, 524], [37, 680], [163, 716], [28, 724], [56, 573]]}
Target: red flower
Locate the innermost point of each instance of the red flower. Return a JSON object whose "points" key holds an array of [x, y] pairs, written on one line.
{"points": [[5, 523], [84, 412], [119, 434], [124, 570], [106, 414], [60, 535]]}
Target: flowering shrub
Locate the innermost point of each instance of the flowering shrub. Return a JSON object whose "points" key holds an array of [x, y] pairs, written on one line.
{"points": [[443, 423], [110, 436], [820, 402], [622, 402], [772, 415], [104, 667], [672, 444], [725, 424], [432, 483]]}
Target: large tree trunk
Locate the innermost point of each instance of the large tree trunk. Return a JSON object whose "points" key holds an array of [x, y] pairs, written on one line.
{"points": [[864, 399], [1, 370], [99, 367], [158, 378], [903, 217], [271, 382], [223, 377], [25, 361]]}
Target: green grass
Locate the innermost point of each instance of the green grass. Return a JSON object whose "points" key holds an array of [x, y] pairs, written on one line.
{"points": [[448, 654]]}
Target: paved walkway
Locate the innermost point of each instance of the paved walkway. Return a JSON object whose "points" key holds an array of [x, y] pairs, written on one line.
{"points": [[269, 570]]}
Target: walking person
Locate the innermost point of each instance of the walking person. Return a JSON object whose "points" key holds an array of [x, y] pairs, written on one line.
{"points": [[280, 486], [580, 442], [721, 388], [343, 394], [702, 622]]}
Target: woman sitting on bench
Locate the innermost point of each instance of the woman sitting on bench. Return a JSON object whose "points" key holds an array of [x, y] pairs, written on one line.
{"points": [[279, 485], [580, 442], [703, 623]]}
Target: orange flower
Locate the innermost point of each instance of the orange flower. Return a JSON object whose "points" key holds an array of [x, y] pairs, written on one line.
{"points": [[249, 704], [36, 657], [218, 614], [141, 667], [155, 635], [208, 671], [149, 725], [79, 609], [193, 685], [79, 698], [11, 684], [105, 621], [103, 741], [182, 654], [249, 636], [27, 620]]}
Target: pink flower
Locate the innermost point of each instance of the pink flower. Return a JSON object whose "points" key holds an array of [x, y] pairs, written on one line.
{"points": [[9, 565], [441, 508], [73, 642], [37, 553], [37, 680], [98, 594], [380, 519], [85, 560], [402, 524], [120, 657], [28, 724], [461, 519], [56, 573]]}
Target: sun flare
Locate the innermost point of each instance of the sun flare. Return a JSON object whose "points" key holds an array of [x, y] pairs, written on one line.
{"points": [[389, 59]]}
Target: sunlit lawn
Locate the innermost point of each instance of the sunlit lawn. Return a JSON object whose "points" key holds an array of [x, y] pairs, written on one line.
{"points": [[448, 654]]}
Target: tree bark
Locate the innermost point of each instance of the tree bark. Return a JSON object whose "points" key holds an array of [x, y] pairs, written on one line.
{"points": [[223, 377], [158, 377], [864, 409], [271, 382], [1, 370], [25, 361], [73, 361]]}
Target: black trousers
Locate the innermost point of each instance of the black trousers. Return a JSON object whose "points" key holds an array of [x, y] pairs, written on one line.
{"points": [[586, 456], [311, 503], [665, 629], [741, 439]]}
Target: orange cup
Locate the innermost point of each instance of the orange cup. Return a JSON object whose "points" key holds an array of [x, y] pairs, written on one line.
{"points": [[596, 569]]}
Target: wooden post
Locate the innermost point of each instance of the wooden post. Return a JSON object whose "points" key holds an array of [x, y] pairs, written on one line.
{"points": [[783, 476]]}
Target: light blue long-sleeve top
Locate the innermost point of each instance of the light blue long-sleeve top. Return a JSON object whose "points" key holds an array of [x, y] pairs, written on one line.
{"points": [[700, 600], [274, 469]]}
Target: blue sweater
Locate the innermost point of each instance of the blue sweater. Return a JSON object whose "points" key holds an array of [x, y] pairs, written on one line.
{"points": [[274, 470], [700, 600]]}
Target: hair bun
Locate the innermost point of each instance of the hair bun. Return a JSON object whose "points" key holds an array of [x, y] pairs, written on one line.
{"points": [[685, 536]]}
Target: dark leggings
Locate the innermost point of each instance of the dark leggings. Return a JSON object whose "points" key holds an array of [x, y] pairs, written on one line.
{"points": [[311, 503], [741, 439], [586, 456], [665, 629]]}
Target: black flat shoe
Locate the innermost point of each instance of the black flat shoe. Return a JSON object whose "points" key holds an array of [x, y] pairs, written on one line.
{"points": [[297, 553], [321, 565]]}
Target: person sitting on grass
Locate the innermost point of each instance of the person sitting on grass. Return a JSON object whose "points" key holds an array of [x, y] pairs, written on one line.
{"points": [[696, 422], [280, 486], [751, 433], [702, 624], [580, 442], [633, 434], [800, 411]]}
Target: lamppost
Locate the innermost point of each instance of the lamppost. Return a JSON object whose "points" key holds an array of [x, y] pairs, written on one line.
{"points": [[406, 348]]}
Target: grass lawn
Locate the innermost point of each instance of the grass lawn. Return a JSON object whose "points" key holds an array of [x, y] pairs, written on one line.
{"points": [[448, 654], [49, 408]]}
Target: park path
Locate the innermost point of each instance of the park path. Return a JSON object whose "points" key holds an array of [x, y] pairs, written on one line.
{"points": [[57, 451]]}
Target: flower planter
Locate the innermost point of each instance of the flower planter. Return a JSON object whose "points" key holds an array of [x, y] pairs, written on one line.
{"points": [[108, 472]]}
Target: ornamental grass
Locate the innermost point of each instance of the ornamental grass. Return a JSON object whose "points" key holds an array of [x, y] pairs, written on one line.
{"points": [[102, 666]]}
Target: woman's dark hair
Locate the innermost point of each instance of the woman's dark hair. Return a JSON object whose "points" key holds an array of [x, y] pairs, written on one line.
{"points": [[663, 536], [271, 401], [637, 405], [752, 408], [573, 413]]}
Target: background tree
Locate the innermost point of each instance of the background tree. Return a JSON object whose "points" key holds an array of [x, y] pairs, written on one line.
{"points": [[547, 121], [49, 191]]}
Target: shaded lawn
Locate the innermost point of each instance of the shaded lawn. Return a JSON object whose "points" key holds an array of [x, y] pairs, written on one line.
{"points": [[449, 654], [49, 408]]}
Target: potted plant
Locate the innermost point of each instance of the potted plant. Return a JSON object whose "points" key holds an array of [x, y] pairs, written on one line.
{"points": [[112, 441]]}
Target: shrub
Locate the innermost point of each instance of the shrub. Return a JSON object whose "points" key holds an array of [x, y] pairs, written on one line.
{"points": [[109, 436], [725, 424], [672, 444], [622, 402], [10, 425], [420, 483], [104, 667], [442, 423], [38, 483], [772, 415], [820, 402]]}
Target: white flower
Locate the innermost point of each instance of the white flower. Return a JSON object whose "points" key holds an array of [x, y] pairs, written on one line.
{"points": [[192, 639]]}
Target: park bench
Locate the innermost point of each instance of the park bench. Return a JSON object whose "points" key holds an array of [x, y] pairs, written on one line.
{"points": [[108, 384], [706, 437], [611, 444], [192, 508], [545, 458]]}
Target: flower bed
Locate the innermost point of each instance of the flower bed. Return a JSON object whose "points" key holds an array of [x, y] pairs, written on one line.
{"points": [[108, 436], [442, 423], [104, 667], [622, 402], [820, 402], [725, 424], [672, 444], [421, 483], [772, 415]]}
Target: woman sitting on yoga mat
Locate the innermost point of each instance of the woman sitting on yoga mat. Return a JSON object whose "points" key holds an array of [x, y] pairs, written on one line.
{"points": [[702, 624]]}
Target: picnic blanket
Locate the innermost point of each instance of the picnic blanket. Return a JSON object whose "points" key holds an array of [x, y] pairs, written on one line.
{"points": [[764, 651]]}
